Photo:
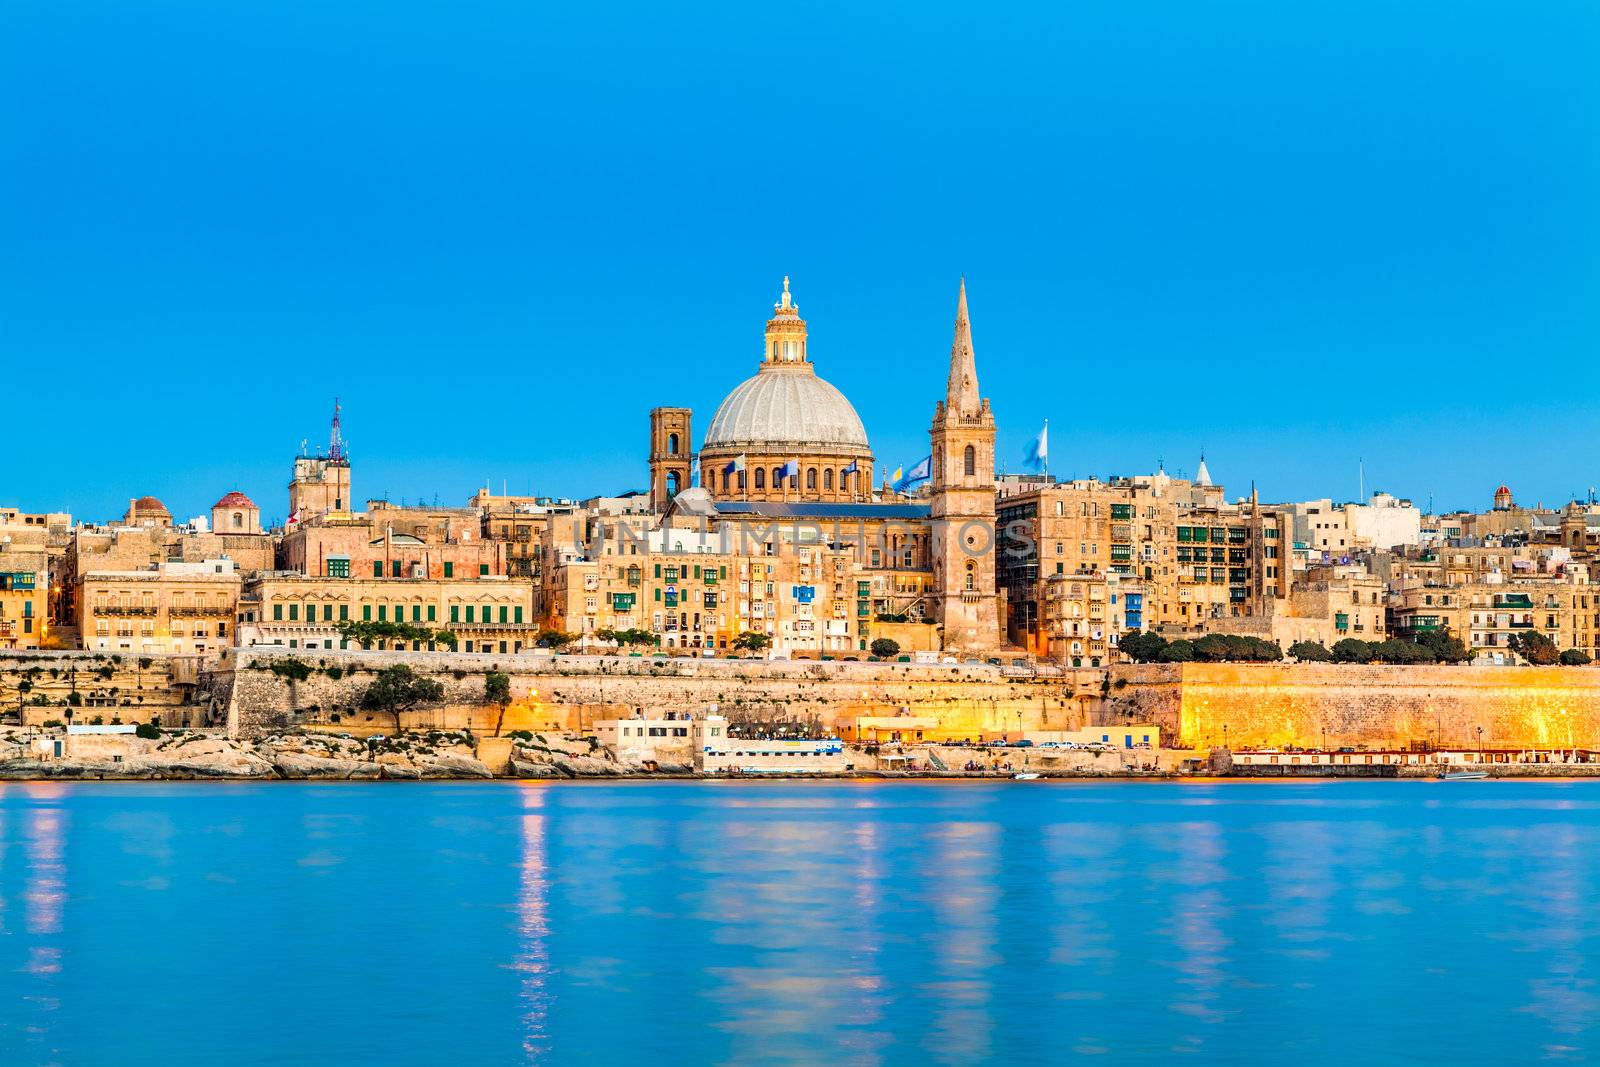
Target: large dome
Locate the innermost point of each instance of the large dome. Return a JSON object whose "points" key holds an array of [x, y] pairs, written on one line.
{"points": [[786, 404]]}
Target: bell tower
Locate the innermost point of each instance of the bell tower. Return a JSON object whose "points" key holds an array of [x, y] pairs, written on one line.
{"points": [[670, 455], [963, 513]]}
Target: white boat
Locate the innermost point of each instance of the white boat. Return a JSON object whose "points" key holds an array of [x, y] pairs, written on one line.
{"points": [[1463, 776], [1025, 776]]}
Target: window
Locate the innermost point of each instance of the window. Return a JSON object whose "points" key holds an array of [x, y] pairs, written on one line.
{"points": [[344, 612], [449, 570], [811, 477], [238, 521], [672, 444], [827, 479], [430, 613], [294, 612], [761, 477], [377, 568], [969, 461], [277, 613], [517, 615], [483, 568], [455, 613], [338, 567]]}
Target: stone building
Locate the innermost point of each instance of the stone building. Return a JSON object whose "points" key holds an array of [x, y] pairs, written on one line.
{"points": [[486, 613], [173, 606], [962, 510], [24, 585], [784, 434]]}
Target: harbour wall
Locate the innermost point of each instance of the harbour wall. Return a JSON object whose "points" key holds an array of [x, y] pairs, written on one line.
{"points": [[1211, 705], [573, 692]]}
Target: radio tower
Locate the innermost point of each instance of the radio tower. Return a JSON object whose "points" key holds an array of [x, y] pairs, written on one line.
{"points": [[335, 439]]}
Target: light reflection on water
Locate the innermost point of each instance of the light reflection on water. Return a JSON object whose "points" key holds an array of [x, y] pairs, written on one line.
{"points": [[798, 922]]}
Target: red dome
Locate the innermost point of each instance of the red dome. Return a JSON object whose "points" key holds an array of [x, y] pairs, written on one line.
{"points": [[150, 503], [1503, 491], [234, 499]]}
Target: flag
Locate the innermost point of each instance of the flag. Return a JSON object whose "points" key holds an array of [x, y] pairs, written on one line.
{"points": [[735, 464], [294, 517], [790, 469], [920, 473], [854, 468], [894, 478], [694, 471], [1039, 451]]}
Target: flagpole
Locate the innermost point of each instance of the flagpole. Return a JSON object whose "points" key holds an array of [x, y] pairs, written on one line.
{"points": [[1046, 456]]}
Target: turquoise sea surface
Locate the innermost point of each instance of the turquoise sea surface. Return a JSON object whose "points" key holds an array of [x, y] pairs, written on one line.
{"points": [[799, 922]]}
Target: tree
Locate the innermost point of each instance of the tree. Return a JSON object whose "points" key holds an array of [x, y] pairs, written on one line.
{"points": [[1352, 650], [1310, 652], [398, 689], [1575, 657], [1142, 647], [1179, 651], [556, 639], [366, 631], [752, 641], [885, 648], [497, 691], [1535, 647], [1445, 646]]}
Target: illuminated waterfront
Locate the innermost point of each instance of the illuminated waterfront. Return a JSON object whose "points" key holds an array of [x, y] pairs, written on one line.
{"points": [[798, 922]]}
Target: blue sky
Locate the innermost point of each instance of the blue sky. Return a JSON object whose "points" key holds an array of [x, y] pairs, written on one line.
{"points": [[1294, 235]]}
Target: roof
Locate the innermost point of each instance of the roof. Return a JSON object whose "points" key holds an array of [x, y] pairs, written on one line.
{"points": [[785, 404], [150, 503], [802, 509], [234, 499]]}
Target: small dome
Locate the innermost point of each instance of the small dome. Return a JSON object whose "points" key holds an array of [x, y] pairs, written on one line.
{"points": [[151, 506], [786, 404], [234, 499]]}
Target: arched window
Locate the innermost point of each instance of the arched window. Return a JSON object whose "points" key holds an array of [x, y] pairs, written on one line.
{"points": [[969, 461], [972, 576], [827, 479], [672, 484], [672, 444], [761, 477], [777, 476], [811, 477], [741, 481], [238, 520]]}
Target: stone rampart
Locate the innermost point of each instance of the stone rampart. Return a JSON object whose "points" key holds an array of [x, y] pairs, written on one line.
{"points": [[78, 686], [1206, 705], [572, 692]]}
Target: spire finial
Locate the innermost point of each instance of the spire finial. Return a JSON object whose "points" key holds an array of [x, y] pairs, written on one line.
{"points": [[961, 391], [786, 302]]}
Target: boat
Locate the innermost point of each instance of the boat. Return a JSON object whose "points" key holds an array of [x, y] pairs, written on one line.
{"points": [[1025, 776], [1463, 776]]}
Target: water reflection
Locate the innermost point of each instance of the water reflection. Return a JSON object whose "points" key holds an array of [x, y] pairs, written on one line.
{"points": [[791, 922], [533, 956]]}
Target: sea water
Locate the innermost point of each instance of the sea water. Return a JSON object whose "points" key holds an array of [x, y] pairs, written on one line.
{"points": [[860, 922]]}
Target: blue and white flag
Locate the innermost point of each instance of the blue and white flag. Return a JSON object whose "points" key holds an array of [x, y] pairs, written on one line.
{"points": [[694, 471], [920, 473], [735, 464], [1039, 450], [853, 468], [790, 469]]}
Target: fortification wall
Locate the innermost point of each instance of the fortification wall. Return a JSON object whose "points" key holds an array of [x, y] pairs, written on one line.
{"points": [[572, 692], [77, 686], [1206, 705]]}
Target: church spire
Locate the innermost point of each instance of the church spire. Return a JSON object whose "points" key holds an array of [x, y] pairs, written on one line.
{"points": [[961, 391]]}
